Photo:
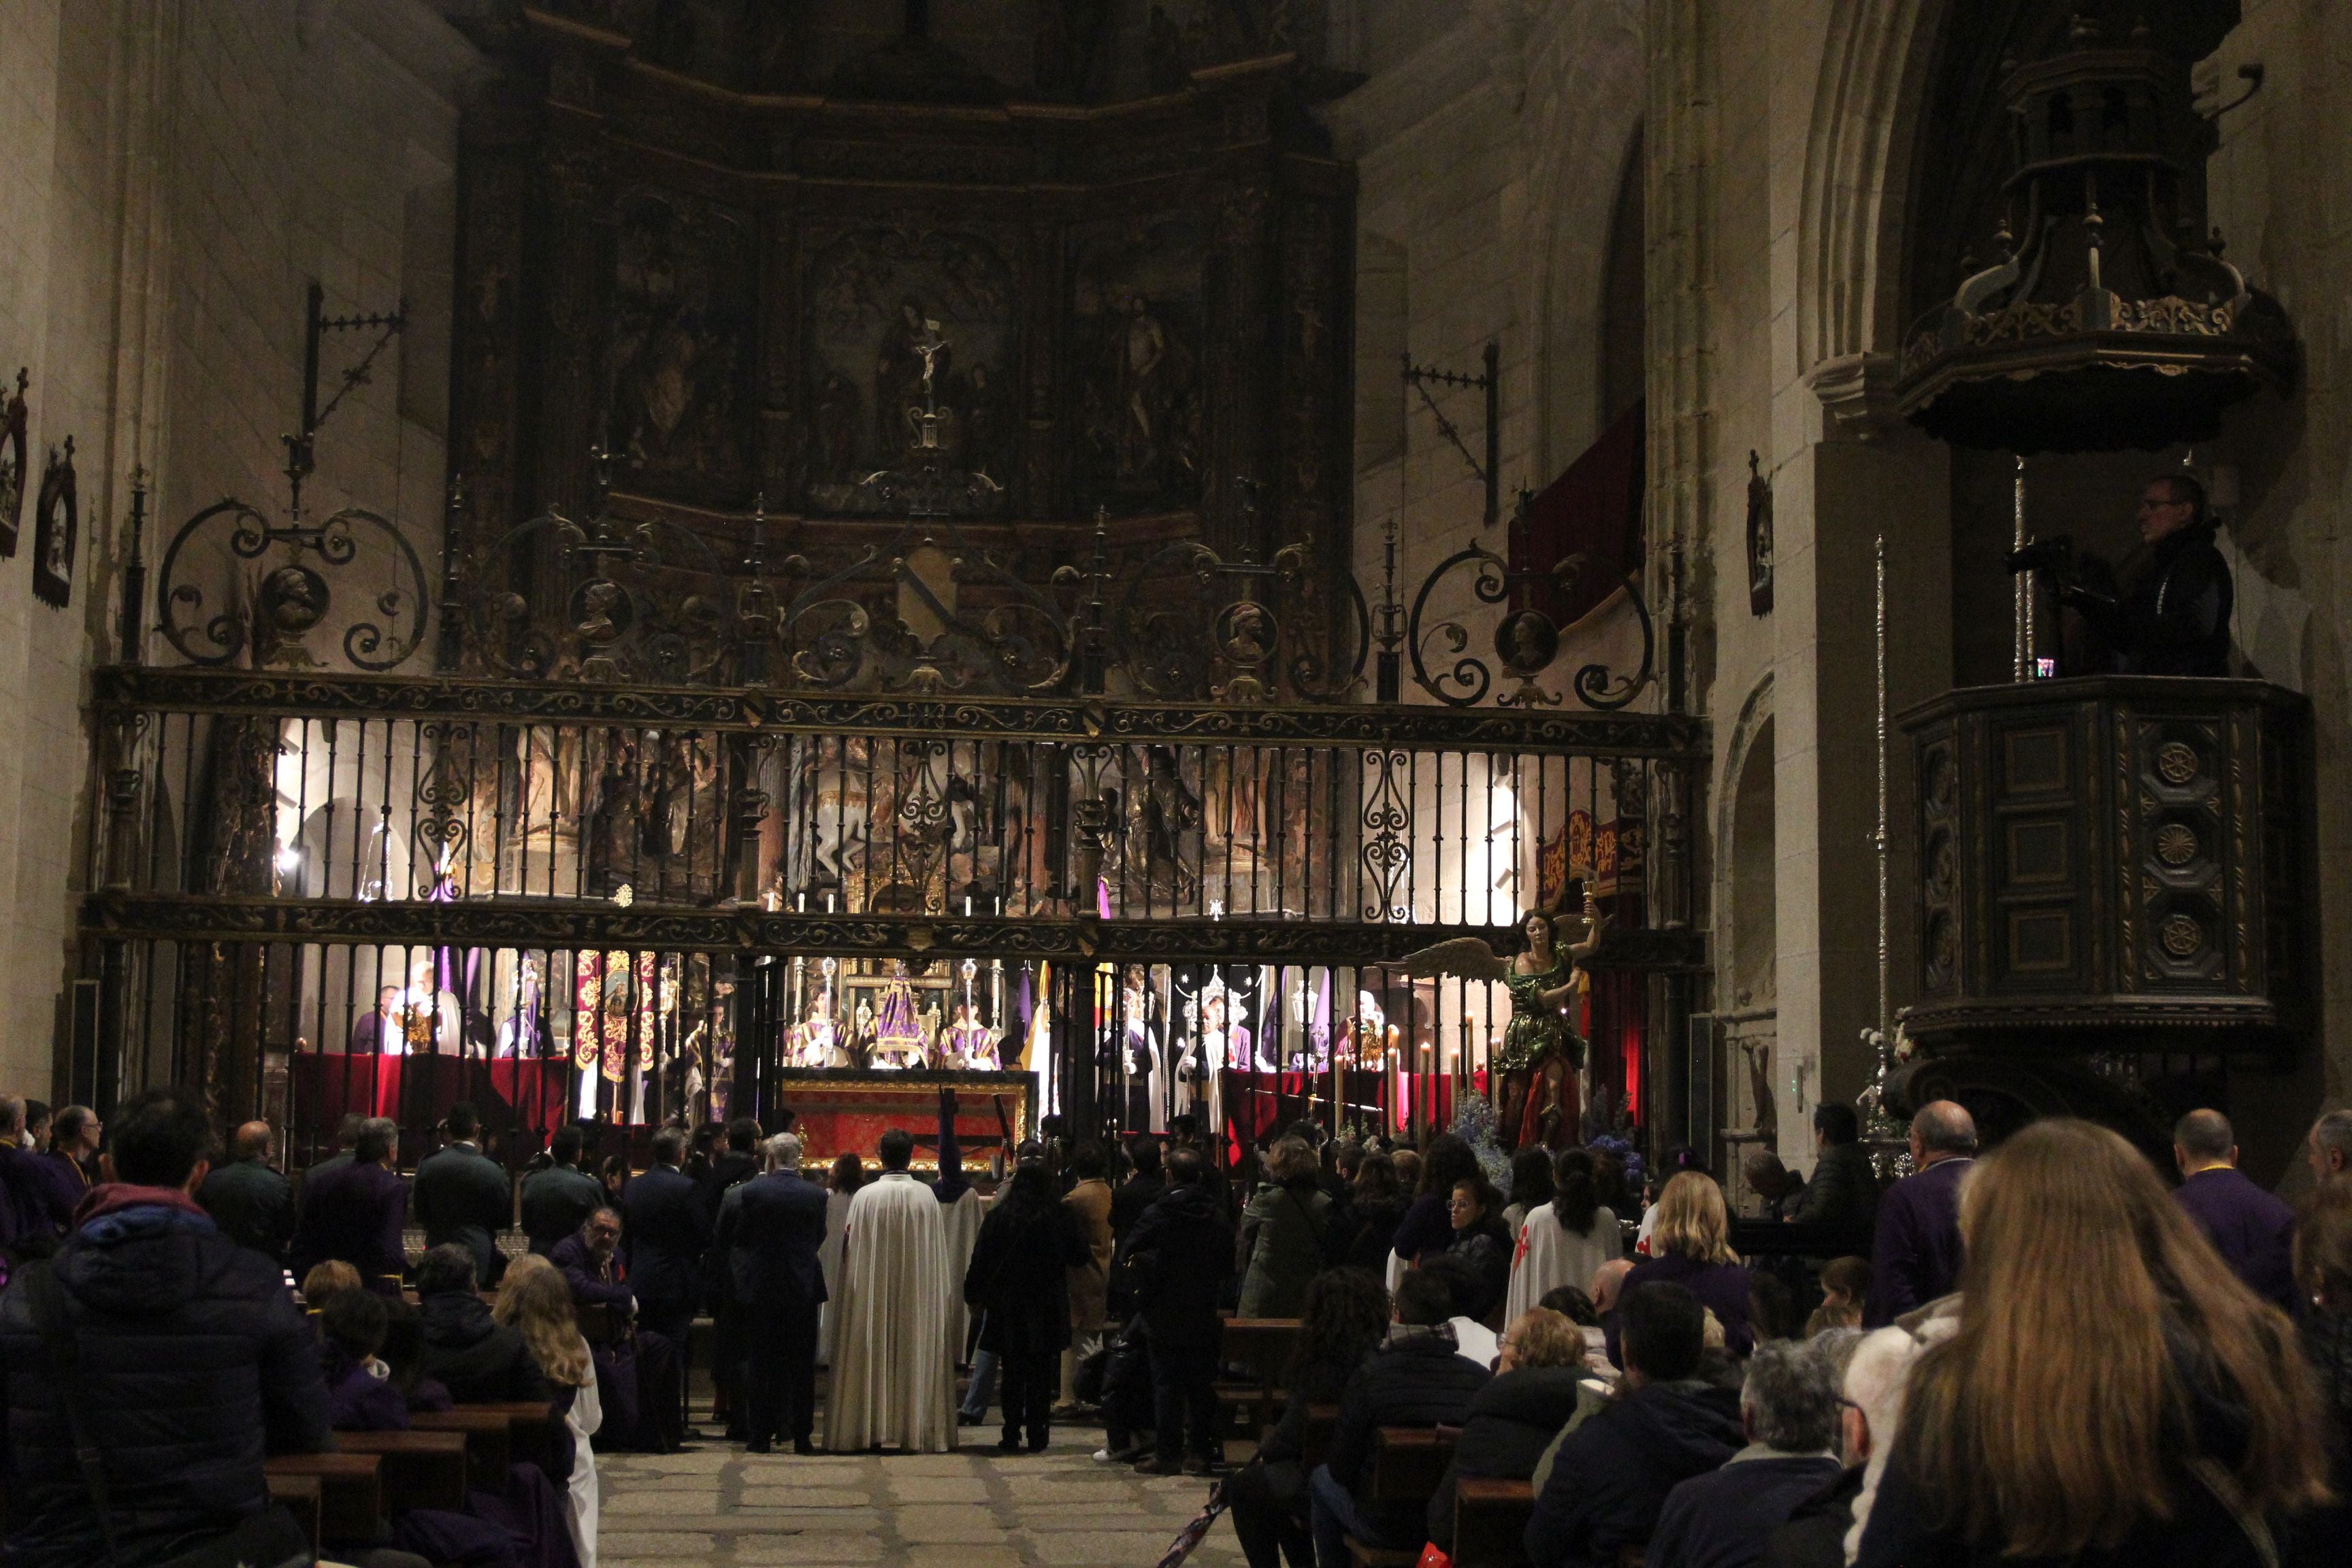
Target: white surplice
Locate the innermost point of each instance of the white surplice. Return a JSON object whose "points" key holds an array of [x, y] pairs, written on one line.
{"points": [[893, 1377], [958, 1229], [1549, 1255], [828, 1261], [581, 1500]]}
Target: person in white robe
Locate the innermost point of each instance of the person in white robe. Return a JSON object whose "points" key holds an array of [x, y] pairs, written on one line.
{"points": [[1563, 1242], [959, 1217], [893, 1374], [849, 1175]]}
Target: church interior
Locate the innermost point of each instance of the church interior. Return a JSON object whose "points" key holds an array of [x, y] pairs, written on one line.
{"points": [[1078, 572]]}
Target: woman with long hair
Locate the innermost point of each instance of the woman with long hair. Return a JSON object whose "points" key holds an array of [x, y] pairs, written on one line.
{"points": [[534, 1300], [1564, 1241], [1428, 1226], [849, 1175], [1530, 1186], [2111, 1393], [1481, 1246], [1019, 1277], [1376, 1207], [2323, 1274], [1345, 1315], [1690, 1245]]}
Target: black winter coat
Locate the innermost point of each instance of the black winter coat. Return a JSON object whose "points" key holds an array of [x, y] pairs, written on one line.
{"points": [[1418, 1382], [195, 1364], [1511, 1422], [1018, 1276], [1842, 1194], [253, 1204], [478, 1359], [1374, 1227], [1611, 1475], [1814, 1535], [1180, 1255]]}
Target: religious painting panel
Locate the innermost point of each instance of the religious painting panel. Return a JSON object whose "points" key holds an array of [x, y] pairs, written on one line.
{"points": [[680, 357], [1138, 332], [909, 347]]}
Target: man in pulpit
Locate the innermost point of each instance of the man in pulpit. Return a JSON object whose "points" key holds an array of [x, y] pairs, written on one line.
{"points": [[2171, 616]]}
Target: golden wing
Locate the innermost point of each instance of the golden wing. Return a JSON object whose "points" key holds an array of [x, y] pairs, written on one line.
{"points": [[1467, 957]]}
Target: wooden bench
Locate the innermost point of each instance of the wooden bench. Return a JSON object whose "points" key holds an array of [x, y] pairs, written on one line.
{"points": [[1315, 1447], [490, 1441], [1490, 1521], [420, 1469], [350, 1493], [1257, 1349], [300, 1495], [531, 1427], [1407, 1463]]}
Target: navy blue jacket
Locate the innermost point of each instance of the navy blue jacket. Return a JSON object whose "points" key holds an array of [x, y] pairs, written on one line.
{"points": [[2253, 1231], [32, 1201], [195, 1364], [355, 1212], [770, 1228], [1018, 1275], [1611, 1475], [665, 1236], [1418, 1382], [1916, 1255], [1725, 1518]]}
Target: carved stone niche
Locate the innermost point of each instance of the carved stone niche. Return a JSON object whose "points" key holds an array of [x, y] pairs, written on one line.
{"points": [[1141, 302], [2115, 864]]}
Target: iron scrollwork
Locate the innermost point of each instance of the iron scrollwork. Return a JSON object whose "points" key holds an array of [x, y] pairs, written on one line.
{"points": [[608, 600], [1526, 637], [1194, 624], [272, 609]]}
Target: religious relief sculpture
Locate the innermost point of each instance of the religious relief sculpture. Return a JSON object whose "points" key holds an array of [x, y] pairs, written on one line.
{"points": [[1542, 1054], [1137, 335], [920, 323], [679, 347]]}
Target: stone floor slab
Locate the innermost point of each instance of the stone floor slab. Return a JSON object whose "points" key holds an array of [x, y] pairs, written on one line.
{"points": [[1100, 1549], [804, 1496], [848, 1548], [914, 1489], [946, 1523]]}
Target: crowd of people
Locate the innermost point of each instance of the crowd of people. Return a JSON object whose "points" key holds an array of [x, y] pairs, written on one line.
{"points": [[2048, 1352]]}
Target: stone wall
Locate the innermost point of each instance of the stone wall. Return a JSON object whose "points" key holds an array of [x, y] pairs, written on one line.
{"points": [[174, 174]]}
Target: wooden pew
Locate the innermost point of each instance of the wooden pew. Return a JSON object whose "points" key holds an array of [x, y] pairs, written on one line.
{"points": [[1322, 1423], [1490, 1521], [300, 1495], [490, 1441], [1256, 1349], [420, 1469], [530, 1430], [350, 1493], [1407, 1463]]}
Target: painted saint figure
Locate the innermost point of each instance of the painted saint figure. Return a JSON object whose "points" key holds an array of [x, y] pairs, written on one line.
{"points": [[1541, 1053]]}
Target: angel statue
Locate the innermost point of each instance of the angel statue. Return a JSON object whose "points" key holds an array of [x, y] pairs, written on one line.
{"points": [[1542, 1052]]}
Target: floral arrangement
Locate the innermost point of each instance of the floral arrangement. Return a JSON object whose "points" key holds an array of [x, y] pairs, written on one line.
{"points": [[1474, 1124]]}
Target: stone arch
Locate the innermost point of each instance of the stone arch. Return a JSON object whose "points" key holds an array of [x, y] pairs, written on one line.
{"points": [[1859, 170], [1746, 924]]}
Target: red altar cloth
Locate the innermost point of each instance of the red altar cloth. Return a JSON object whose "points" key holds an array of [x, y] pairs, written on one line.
{"points": [[417, 1091], [845, 1110]]}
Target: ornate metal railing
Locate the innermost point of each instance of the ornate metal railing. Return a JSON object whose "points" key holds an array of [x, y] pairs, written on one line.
{"points": [[275, 852]]}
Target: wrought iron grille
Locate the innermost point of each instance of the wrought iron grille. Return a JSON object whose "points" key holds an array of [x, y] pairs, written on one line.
{"points": [[279, 853]]}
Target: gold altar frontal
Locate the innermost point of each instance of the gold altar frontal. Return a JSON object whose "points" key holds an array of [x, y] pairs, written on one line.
{"points": [[845, 1110]]}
